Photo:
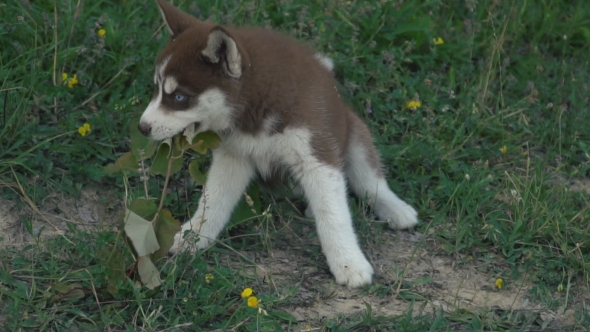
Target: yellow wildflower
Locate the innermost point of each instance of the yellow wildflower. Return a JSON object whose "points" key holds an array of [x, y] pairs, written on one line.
{"points": [[504, 149], [72, 81], [246, 292], [438, 41], [101, 32], [209, 277], [499, 283], [253, 302], [64, 77], [84, 129], [413, 104]]}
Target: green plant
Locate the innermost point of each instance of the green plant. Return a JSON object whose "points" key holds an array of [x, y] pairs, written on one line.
{"points": [[150, 227]]}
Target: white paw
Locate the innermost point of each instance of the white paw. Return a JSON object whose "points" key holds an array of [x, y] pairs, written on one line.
{"points": [[353, 272], [177, 246], [191, 242], [399, 216]]}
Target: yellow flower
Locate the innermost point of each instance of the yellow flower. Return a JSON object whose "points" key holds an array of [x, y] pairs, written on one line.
{"points": [[413, 104], [64, 77], [84, 129], [246, 292], [504, 149], [72, 81], [101, 32], [209, 277], [499, 283], [438, 41], [253, 302]]}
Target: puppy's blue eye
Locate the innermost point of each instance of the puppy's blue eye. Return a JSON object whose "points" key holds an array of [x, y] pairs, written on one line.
{"points": [[179, 97]]}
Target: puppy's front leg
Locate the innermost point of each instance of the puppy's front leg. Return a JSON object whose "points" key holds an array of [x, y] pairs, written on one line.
{"points": [[228, 178]]}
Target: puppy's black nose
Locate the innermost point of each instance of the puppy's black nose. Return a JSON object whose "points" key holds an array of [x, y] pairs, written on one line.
{"points": [[145, 129]]}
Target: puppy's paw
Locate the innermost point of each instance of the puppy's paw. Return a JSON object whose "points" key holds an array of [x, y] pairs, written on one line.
{"points": [[177, 245], [180, 243], [353, 272], [190, 242], [399, 216]]}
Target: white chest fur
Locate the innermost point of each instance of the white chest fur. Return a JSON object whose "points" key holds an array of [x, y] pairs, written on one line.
{"points": [[268, 151]]}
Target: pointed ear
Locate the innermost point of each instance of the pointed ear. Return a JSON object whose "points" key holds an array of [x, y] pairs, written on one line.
{"points": [[222, 48], [176, 20]]}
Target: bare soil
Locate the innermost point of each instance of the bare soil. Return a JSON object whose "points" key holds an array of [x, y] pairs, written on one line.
{"points": [[93, 208], [433, 278]]}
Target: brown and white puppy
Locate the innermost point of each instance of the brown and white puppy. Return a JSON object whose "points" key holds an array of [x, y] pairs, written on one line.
{"points": [[275, 105]]}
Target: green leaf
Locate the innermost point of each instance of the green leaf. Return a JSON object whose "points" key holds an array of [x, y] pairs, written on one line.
{"points": [[77, 312], [29, 323], [248, 208], [75, 294], [283, 316], [113, 260], [126, 162], [63, 288], [149, 274], [144, 208], [160, 162], [112, 287], [14, 295], [422, 281], [205, 140], [166, 228], [141, 233], [193, 170], [411, 296], [141, 143], [186, 137], [179, 143], [67, 292]]}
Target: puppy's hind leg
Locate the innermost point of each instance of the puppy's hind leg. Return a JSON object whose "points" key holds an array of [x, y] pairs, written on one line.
{"points": [[325, 189], [364, 171]]}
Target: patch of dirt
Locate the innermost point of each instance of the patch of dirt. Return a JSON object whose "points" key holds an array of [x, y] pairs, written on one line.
{"points": [[582, 185], [91, 209], [431, 277]]}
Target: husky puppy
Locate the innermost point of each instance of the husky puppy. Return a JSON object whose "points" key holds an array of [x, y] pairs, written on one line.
{"points": [[276, 107]]}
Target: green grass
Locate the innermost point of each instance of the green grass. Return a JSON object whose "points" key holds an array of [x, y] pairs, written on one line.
{"points": [[508, 75]]}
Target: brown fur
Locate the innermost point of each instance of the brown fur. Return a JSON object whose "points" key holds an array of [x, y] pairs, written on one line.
{"points": [[280, 79]]}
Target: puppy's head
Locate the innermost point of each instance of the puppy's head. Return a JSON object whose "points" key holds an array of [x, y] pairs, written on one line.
{"points": [[197, 76]]}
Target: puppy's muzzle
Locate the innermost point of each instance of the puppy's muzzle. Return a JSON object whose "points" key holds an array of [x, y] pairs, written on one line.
{"points": [[145, 129]]}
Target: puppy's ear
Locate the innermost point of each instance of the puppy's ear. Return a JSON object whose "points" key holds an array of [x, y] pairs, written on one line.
{"points": [[176, 20], [222, 48]]}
